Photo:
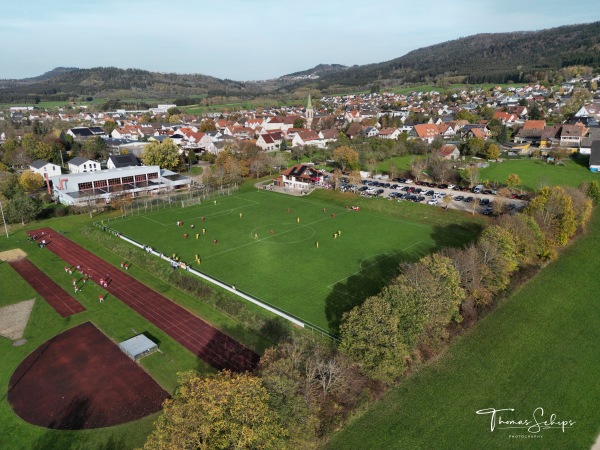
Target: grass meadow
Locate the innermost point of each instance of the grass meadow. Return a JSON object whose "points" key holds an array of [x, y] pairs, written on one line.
{"points": [[536, 173], [272, 254], [538, 349]]}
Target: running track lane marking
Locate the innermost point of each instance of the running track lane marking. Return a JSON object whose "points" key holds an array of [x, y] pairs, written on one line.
{"points": [[62, 302], [202, 339]]}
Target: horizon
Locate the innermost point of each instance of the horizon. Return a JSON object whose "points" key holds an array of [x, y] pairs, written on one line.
{"points": [[232, 43]]}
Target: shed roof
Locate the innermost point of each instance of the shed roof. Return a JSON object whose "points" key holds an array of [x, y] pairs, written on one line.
{"points": [[138, 346]]}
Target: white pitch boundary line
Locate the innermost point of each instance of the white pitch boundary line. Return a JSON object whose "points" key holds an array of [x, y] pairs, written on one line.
{"points": [[330, 286]]}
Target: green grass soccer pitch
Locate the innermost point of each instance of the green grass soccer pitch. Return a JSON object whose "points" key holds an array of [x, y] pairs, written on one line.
{"points": [[272, 254]]}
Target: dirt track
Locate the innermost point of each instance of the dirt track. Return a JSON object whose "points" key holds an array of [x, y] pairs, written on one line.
{"points": [[80, 379]]}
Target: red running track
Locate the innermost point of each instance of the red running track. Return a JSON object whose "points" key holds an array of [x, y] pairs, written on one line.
{"points": [[57, 297], [205, 341]]}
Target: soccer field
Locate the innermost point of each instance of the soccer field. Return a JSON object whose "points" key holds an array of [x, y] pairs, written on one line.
{"points": [[283, 250]]}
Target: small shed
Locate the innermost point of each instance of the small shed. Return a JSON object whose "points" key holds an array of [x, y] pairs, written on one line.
{"points": [[138, 346]]}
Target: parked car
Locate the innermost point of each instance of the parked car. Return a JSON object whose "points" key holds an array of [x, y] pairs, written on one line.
{"points": [[433, 201], [459, 198], [468, 199]]}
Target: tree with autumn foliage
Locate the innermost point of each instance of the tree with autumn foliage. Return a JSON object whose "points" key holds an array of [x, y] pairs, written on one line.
{"points": [[31, 181], [346, 157], [164, 154], [222, 411], [553, 210]]}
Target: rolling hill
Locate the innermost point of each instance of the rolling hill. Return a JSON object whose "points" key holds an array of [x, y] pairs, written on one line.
{"points": [[483, 58]]}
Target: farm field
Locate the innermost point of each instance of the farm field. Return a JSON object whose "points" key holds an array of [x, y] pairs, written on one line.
{"points": [[535, 174], [272, 254], [538, 349]]}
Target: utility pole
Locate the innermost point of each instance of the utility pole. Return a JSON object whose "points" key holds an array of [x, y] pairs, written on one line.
{"points": [[3, 220]]}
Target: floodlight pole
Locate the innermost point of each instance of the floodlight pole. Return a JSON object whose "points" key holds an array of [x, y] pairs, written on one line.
{"points": [[3, 220]]}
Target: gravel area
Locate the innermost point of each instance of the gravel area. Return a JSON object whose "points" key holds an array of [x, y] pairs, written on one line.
{"points": [[14, 318]]}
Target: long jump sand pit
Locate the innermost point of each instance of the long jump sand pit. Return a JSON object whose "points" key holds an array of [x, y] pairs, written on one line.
{"points": [[12, 255], [81, 380]]}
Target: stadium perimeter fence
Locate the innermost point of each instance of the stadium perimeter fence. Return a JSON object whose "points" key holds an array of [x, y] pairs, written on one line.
{"points": [[193, 196], [229, 288]]}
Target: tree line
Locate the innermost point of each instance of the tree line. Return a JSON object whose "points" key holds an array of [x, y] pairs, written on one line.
{"points": [[303, 388]]}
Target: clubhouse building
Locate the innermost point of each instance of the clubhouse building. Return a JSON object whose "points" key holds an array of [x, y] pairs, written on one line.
{"points": [[101, 185]]}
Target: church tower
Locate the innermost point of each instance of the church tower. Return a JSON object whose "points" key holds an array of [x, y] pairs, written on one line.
{"points": [[309, 113]]}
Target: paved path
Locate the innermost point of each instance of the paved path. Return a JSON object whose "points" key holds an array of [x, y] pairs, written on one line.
{"points": [[57, 297], [201, 338]]}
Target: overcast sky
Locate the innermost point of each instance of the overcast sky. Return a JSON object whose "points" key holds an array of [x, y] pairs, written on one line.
{"points": [[251, 40]]}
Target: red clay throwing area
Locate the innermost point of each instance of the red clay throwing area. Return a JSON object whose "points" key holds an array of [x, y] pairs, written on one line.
{"points": [[57, 297], [80, 379], [201, 338]]}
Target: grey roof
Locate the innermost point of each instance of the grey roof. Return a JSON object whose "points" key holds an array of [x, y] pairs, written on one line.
{"points": [[39, 163], [125, 160], [78, 160], [138, 346], [595, 154]]}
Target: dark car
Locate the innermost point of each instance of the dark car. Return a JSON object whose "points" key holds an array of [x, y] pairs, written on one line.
{"points": [[363, 188], [459, 198], [484, 201], [469, 199], [487, 192], [443, 186], [429, 193], [380, 191]]}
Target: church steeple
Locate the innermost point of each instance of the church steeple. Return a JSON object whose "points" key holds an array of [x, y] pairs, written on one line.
{"points": [[309, 113]]}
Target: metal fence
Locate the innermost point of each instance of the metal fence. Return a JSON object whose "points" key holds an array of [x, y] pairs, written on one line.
{"points": [[195, 195], [231, 289]]}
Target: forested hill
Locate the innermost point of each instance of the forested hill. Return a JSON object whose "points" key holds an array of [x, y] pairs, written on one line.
{"points": [[483, 58], [110, 81], [494, 58]]}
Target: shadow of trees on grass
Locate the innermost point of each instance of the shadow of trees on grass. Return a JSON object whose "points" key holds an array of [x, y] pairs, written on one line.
{"points": [[379, 271]]}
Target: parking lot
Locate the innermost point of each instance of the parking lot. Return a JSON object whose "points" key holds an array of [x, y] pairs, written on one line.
{"points": [[475, 199]]}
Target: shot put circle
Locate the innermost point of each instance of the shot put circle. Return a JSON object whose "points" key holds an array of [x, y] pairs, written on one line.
{"points": [[284, 233]]}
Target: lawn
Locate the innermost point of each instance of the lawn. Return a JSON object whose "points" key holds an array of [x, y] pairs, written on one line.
{"points": [[272, 254], [113, 318], [536, 173], [401, 162], [538, 349]]}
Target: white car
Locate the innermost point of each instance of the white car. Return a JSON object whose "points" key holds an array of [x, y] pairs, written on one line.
{"points": [[409, 181], [433, 201], [450, 186]]}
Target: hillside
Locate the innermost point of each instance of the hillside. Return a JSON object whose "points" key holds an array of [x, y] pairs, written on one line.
{"points": [[60, 84], [486, 58], [483, 58]]}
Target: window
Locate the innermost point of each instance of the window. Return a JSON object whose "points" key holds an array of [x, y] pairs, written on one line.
{"points": [[100, 184], [84, 186], [114, 181], [153, 175], [140, 178], [127, 180]]}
